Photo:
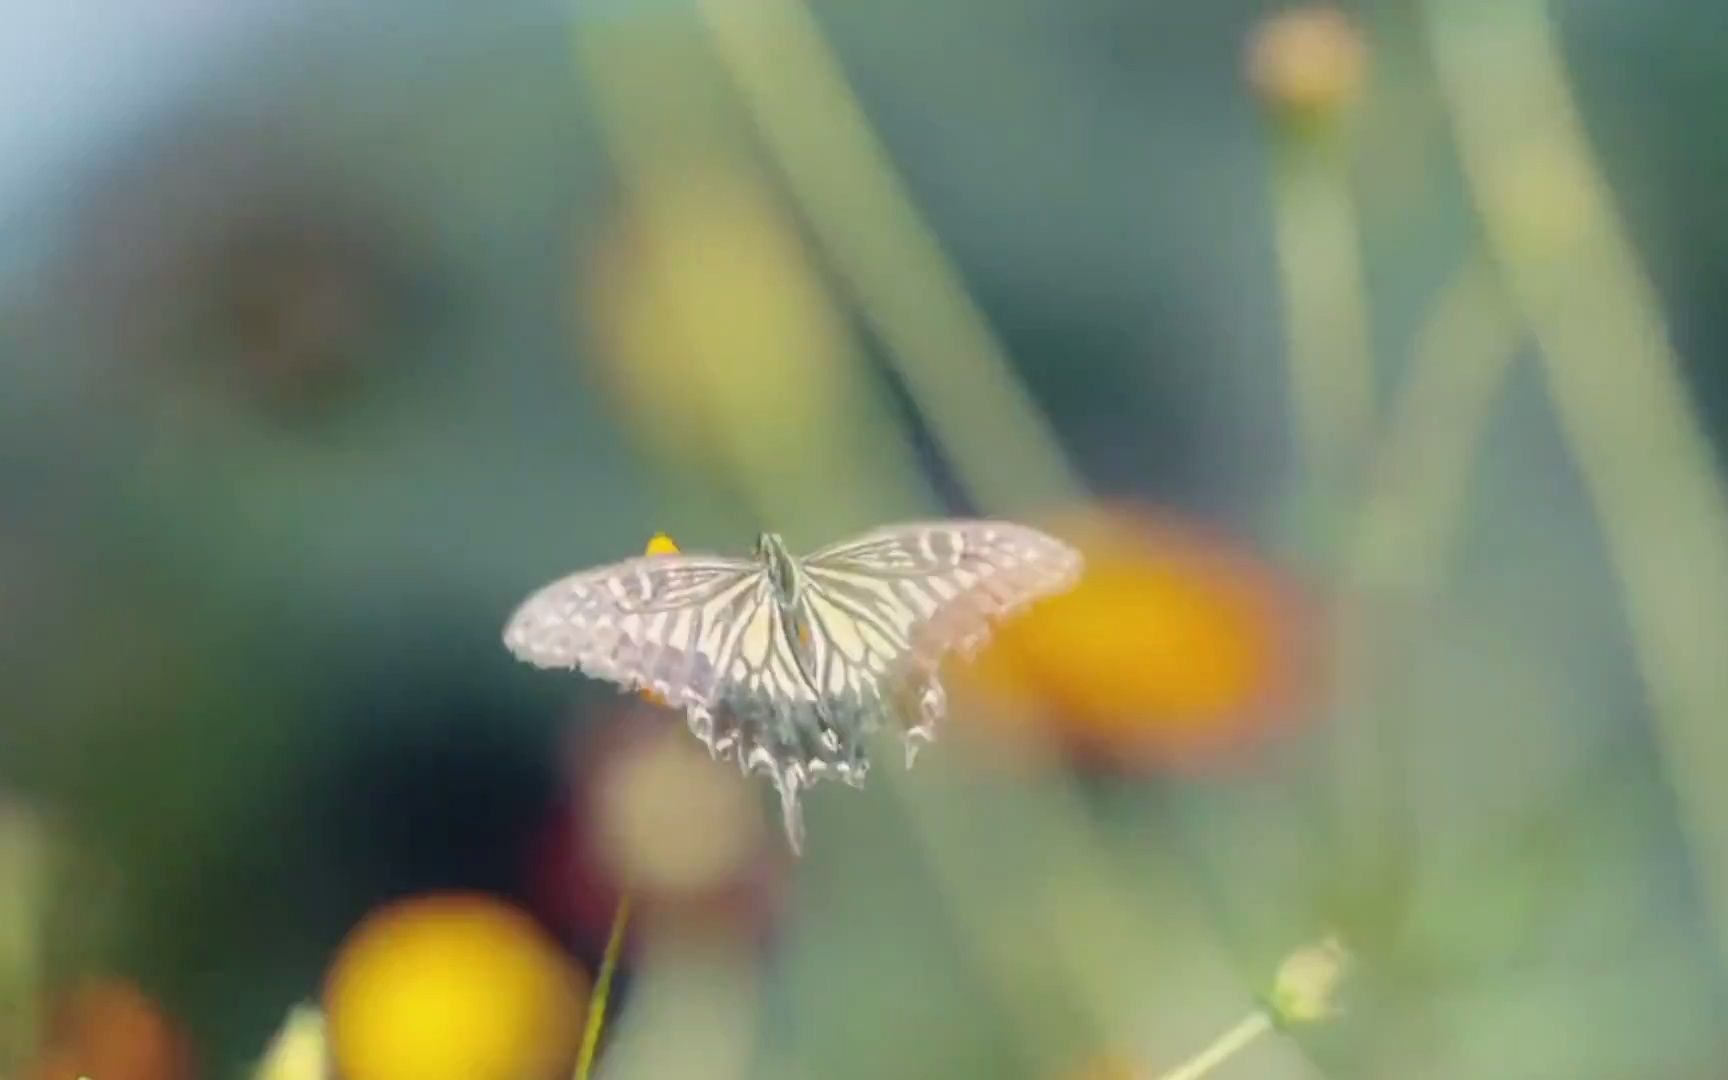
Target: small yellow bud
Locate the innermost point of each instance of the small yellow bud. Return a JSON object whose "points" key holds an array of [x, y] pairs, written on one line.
{"points": [[1306, 986]]}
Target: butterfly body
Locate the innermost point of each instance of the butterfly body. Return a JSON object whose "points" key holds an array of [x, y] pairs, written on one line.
{"points": [[781, 566], [790, 665], [787, 580]]}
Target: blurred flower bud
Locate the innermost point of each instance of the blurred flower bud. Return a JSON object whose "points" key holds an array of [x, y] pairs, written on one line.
{"points": [[714, 333], [651, 814], [1307, 63], [110, 1029], [295, 301], [1306, 986], [671, 821], [249, 276]]}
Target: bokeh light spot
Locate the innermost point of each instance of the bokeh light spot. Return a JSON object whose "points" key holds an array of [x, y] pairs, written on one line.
{"points": [[452, 987]]}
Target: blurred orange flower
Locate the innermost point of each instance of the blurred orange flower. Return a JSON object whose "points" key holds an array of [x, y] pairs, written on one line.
{"points": [[108, 1028], [452, 987], [1175, 646]]}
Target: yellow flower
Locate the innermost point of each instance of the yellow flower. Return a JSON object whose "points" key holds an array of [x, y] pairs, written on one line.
{"points": [[452, 987], [1173, 645]]}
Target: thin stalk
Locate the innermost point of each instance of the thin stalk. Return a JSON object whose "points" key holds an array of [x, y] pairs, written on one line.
{"points": [[679, 145], [1225, 1047], [1400, 537], [603, 989], [992, 432], [1405, 529], [1332, 400], [1331, 368]]}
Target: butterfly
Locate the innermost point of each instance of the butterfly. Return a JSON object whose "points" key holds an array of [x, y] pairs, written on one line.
{"points": [[789, 665]]}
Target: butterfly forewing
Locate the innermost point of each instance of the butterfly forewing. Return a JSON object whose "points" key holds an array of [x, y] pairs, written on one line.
{"points": [[922, 590], [664, 623]]}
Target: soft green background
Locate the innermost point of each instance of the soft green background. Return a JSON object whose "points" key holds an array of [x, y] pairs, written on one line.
{"points": [[248, 641]]}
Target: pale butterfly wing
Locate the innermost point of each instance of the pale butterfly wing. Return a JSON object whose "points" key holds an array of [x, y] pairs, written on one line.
{"points": [[919, 591], [705, 634], [664, 623], [874, 617], [767, 715], [886, 607]]}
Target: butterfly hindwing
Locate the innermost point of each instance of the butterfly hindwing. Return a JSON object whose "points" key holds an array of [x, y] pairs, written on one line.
{"points": [[886, 607], [768, 716]]}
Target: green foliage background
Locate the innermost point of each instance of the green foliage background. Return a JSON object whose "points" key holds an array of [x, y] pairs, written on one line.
{"points": [[296, 401]]}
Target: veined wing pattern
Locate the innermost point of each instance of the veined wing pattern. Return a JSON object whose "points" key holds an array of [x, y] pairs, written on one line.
{"points": [[792, 674], [891, 604], [657, 623]]}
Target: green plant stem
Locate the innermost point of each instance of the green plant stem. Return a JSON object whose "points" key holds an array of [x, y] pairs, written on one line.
{"points": [[938, 340], [1401, 542], [1617, 384], [603, 989], [1331, 366], [1225, 1047]]}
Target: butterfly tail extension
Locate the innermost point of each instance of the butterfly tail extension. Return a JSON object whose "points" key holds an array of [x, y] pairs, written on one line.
{"points": [[789, 782], [787, 738], [932, 705]]}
